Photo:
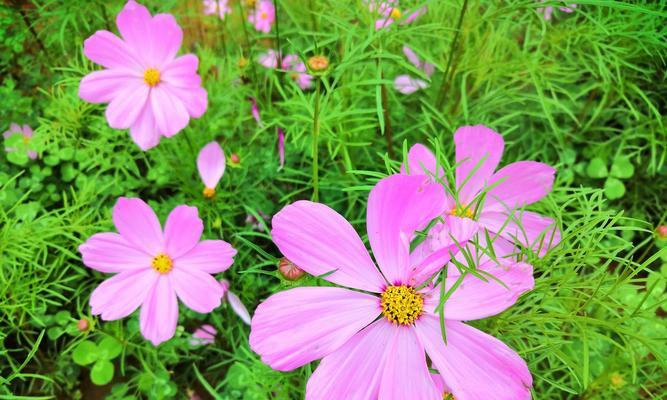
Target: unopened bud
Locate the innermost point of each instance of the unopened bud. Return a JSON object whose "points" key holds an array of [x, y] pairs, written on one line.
{"points": [[616, 380], [83, 325], [289, 270], [243, 62], [318, 63], [235, 159], [661, 231]]}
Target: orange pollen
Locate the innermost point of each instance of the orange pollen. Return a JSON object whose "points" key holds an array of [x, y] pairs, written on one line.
{"points": [[152, 77], [162, 263], [209, 192]]}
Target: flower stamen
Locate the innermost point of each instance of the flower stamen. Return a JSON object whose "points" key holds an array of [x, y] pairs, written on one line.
{"points": [[463, 211], [162, 263], [401, 304], [152, 77], [209, 192], [395, 13]]}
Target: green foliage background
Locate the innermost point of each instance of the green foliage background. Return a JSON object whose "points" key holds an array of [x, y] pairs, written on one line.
{"points": [[585, 92]]}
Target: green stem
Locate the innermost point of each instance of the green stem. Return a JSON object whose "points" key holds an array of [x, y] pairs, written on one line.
{"points": [[447, 77], [316, 135], [278, 44], [247, 40]]}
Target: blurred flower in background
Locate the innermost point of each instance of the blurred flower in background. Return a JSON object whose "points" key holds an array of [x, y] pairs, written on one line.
{"points": [[263, 16]]}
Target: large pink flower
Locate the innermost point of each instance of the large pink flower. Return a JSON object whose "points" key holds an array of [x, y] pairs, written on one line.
{"points": [[374, 337], [263, 16], [486, 198], [149, 90], [154, 267]]}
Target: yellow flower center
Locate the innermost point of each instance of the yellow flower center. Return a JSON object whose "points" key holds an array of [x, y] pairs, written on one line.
{"points": [[152, 77], [395, 13], [26, 140], [448, 396], [162, 263], [401, 304], [463, 212], [264, 15], [209, 192]]}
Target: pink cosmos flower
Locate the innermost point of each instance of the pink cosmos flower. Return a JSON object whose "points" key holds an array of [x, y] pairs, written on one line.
{"points": [[211, 165], [373, 338], [407, 84], [220, 6], [281, 148], [149, 90], [255, 111], [487, 199], [26, 132], [203, 335], [235, 303], [548, 10], [155, 267], [263, 16], [291, 63], [388, 12]]}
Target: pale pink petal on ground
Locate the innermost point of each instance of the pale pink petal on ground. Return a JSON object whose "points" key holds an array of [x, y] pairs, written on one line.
{"points": [[159, 312], [408, 85], [238, 307], [198, 290], [320, 241], [118, 296], [205, 334], [474, 144], [182, 72], [137, 223], [108, 50], [211, 164], [134, 24], [519, 184], [406, 374], [473, 364], [194, 99], [103, 86], [210, 256], [171, 115], [125, 107], [397, 206], [108, 252], [354, 371], [421, 161], [527, 228], [297, 326], [182, 230], [477, 299], [166, 39], [144, 131]]}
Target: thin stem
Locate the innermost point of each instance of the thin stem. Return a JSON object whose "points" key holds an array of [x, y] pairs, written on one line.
{"points": [[316, 135], [278, 44], [26, 20], [387, 121], [447, 77], [247, 38]]}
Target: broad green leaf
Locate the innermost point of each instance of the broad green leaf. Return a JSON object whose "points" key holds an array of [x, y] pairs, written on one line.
{"points": [[614, 188], [85, 353], [102, 372], [597, 168], [622, 168], [109, 348]]}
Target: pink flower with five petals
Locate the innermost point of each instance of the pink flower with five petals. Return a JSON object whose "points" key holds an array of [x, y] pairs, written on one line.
{"points": [[263, 16], [149, 89], [154, 267], [374, 337]]}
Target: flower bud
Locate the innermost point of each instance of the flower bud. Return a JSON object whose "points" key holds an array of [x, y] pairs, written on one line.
{"points": [[83, 325], [289, 270], [318, 64], [243, 62], [234, 159], [662, 232]]}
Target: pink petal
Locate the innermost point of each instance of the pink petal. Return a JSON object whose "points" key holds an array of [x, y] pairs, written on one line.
{"points": [[134, 25], [210, 256], [109, 252], [238, 307], [144, 131], [354, 371], [422, 162], [474, 144], [397, 206], [321, 241], [210, 6], [383, 22], [194, 99], [118, 296], [474, 364], [526, 228], [166, 39], [137, 224], [440, 384], [159, 312], [125, 107], [103, 86], [300, 325], [182, 230], [421, 11], [254, 110], [182, 72], [268, 59], [108, 50], [406, 374], [205, 334], [408, 85], [477, 299], [519, 184], [281, 148], [211, 164], [171, 116], [412, 56], [198, 290]]}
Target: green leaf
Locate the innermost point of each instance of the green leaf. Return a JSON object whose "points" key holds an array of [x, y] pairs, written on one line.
{"points": [[102, 372], [85, 353], [62, 317], [51, 160], [597, 168], [622, 168], [109, 348], [614, 188], [18, 157], [54, 332]]}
